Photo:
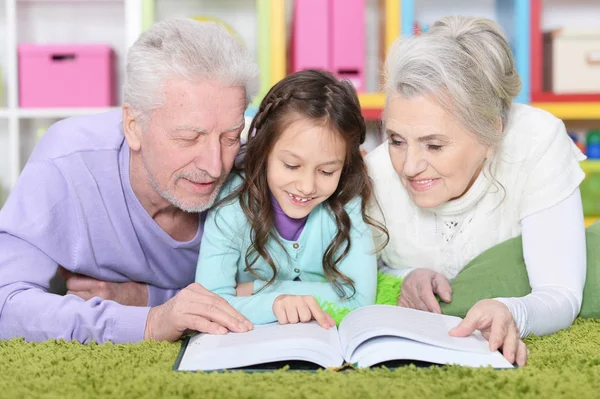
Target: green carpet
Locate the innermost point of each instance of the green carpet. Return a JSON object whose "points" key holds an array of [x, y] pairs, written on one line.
{"points": [[565, 364]]}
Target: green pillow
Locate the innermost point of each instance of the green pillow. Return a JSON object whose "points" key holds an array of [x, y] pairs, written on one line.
{"points": [[500, 272], [591, 292]]}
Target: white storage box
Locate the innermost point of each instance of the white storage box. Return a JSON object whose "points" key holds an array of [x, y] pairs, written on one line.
{"points": [[576, 61]]}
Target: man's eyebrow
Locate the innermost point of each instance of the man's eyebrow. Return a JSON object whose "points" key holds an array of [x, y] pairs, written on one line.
{"points": [[188, 128], [236, 127], [198, 130]]}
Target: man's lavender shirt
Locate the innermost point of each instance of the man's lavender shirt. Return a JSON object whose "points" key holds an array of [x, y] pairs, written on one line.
{"points": [[73, 206]]}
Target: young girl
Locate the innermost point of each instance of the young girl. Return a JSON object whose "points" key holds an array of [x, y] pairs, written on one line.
{"points": [[293, 229]]}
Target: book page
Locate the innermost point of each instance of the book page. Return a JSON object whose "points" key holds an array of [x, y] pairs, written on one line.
{"points": [[385, 320], [268, 343], [385, 349]]}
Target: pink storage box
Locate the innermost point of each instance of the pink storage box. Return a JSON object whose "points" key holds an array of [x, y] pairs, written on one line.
{"points": [[348, 41], [66, 75], [310, 35]]}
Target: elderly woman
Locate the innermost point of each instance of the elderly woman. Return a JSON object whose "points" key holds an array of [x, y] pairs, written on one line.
{"points": [[464, 169]]}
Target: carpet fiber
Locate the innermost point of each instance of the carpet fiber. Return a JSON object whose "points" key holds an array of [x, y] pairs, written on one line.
{"points": [[565, 364]]}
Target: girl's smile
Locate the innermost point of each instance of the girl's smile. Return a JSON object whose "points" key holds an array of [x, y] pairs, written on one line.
{"points": [[305, 166]]}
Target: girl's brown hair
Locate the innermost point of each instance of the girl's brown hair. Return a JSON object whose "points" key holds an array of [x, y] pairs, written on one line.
{"points": [[320, 97]]}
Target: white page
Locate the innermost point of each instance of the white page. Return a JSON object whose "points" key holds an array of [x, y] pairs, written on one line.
{"points": [[384, 349], [267, 343], [384, 320]]}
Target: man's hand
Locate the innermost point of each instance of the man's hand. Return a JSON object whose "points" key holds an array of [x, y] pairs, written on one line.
{"points": [[129, 293], [497, 325], [193, 309], [419, 289]]}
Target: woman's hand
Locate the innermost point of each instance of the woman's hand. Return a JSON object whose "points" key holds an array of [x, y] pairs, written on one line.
{"points": [[419, 289], [292, 309], [497, 325], [244, 289]]}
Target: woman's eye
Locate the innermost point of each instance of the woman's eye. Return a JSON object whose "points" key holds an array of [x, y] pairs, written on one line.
{"points": [[290, 166], [327, 173], [433, 147], [395, 142]]}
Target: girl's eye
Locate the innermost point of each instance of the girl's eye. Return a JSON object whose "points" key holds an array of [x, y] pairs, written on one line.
{"points": [[290, 166], [434, 147], [327, 173]]}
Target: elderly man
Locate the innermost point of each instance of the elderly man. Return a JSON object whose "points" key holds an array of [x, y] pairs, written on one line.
{"points": [[120, 196]]}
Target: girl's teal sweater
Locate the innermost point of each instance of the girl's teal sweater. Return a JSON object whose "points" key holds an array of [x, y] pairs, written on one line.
{"points": [[226, 238]]}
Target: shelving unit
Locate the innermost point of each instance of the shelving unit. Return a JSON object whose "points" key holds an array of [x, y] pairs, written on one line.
{"points": [[372, 103], [512, 15], [521, 19], [564, 106], [132, 14], [572, 110]]}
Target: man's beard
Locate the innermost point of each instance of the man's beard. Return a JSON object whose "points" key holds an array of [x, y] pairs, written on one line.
{"points": [[194, 177]]}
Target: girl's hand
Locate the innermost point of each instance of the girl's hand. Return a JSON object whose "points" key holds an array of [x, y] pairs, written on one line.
{"points": [[244, 289], [420, 287], [291, 309], [497, 325]]}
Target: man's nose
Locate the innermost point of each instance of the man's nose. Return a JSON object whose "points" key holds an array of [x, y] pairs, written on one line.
{"points": [[210, 158]]}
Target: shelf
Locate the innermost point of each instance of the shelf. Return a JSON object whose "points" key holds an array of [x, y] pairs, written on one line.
{"points": [[372, 105], [572, 110], [5, 112], [544, 97], [52, 113], [590, 166]]}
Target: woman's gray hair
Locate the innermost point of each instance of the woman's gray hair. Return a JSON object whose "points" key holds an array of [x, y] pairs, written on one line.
{"points": [[187, 49], [466, 65]]}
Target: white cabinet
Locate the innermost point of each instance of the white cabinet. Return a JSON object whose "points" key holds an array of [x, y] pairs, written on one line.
{"points": [[114, 22]]}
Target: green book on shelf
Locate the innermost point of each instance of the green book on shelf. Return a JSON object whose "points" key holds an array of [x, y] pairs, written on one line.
{"points": [[377, 335]]}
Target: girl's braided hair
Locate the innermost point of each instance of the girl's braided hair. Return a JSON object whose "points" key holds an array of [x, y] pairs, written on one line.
{"points": [[325, 100]]}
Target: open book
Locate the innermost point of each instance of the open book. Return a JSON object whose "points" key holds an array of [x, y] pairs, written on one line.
{"points": [[369, 336]]}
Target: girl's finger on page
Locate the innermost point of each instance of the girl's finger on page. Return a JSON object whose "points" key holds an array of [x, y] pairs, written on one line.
{"points": [[291, 313], [281, 315], [304, 313], [330, 319], [511, 345], [319, 314]]}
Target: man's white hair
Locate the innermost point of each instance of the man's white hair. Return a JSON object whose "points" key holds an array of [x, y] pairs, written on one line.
{"points": [[186, 49]]}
